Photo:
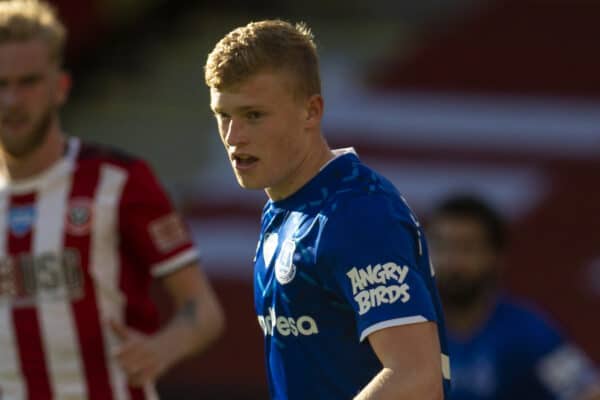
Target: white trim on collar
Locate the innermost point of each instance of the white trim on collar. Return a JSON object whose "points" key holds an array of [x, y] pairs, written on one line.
{"points": [[60, 167], [338, 153]]}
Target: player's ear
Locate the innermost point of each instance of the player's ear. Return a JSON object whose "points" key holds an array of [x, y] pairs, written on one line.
{"points": [[64, 87], [314, 110]]}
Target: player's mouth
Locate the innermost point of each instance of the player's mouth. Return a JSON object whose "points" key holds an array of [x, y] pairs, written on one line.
{"points": [[14, 122], [243, 162]]}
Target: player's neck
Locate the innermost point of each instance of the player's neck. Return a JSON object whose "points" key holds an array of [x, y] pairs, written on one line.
{"points": [[308, 169], [465, 321], [39, 160]]}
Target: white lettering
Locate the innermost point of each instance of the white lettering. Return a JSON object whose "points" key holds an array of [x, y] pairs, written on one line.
{"points": [[293, 326], [363, 301], [305, 325], [360, 279], [402, 272], [263, 326], [390, 288], [375, 297], [354, 280], [283, 326], [390, 271]]}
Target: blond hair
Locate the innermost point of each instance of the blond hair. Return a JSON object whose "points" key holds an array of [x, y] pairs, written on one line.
{"points": [[22, 20], [270, 45]]}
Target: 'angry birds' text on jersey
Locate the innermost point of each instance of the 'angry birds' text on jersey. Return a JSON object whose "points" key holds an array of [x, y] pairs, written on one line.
{"points": [[338, 260]]}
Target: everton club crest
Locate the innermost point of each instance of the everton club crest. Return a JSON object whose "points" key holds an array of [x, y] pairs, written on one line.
{"points": [[285, 270]]}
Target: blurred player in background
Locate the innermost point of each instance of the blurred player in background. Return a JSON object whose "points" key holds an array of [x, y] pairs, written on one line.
{"points": [[83, 231], [500, 349], [343, 286]]}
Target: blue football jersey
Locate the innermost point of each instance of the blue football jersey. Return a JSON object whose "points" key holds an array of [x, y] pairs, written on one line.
{"points": [[517, 354], [341, 258]]}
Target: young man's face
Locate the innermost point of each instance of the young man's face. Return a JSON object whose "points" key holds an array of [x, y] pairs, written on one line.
{"points": [[464, 259], [32, 88], [264, 130]]}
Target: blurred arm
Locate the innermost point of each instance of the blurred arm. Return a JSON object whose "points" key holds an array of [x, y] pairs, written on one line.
{"points": [[199, 318], [198, 321]]}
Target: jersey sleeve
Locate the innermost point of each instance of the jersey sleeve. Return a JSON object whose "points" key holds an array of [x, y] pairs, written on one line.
{"points": [[372, 249], [151, 230]]}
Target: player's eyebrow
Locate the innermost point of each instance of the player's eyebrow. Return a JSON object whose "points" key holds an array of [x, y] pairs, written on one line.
{"points": [[238, 110], [31, 77], [247, 108]]}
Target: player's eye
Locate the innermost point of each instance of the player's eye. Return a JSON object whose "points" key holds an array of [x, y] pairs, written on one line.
{"points": [[30, 80], [253, 115], [221, 115]]}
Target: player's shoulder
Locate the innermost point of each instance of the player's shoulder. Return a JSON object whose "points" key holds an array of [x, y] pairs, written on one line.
{"points": [[527, 322], [97, 155], [103, 153], [521, 311], [367, 196]]}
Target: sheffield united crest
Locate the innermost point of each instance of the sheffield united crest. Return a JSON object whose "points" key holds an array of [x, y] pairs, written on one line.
{"points": [[79, 216]]}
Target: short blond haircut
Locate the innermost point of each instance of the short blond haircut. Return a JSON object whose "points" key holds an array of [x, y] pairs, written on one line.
{"points": [[22, 20], [270, 45]]}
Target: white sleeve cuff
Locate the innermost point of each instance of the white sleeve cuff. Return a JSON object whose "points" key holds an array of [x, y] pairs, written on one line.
{"points": [[391, 322], [172, 264]]}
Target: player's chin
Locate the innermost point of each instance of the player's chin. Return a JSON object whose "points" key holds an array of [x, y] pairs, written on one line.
{"points": [[249, 183]]}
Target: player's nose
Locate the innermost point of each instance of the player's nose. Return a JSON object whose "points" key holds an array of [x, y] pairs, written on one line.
{"points": [[235, 134]]}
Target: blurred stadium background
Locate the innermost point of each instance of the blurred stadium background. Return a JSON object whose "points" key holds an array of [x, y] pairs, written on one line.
{"points": [[497, 97]]}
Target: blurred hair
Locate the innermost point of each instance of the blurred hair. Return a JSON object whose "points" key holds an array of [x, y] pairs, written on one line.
{"points": [[474, 208], [22, 20], [270, 45]]}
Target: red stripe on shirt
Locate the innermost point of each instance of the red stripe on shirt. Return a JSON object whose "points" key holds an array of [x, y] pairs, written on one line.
{"points": [[25, 318], [137, 394], [85, 310]]}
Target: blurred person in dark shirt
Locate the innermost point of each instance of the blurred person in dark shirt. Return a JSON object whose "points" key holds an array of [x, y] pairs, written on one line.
{"points": [[499, 347]]}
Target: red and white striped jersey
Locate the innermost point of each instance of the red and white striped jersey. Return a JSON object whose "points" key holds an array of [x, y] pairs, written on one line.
{"points": [[79, 245]]}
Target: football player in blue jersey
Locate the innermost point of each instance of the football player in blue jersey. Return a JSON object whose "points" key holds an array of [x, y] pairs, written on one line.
{"points": [[500, 348], [344, 289]]}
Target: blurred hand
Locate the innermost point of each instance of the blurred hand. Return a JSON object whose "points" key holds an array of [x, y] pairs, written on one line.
{"points": [[139, 355]]}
